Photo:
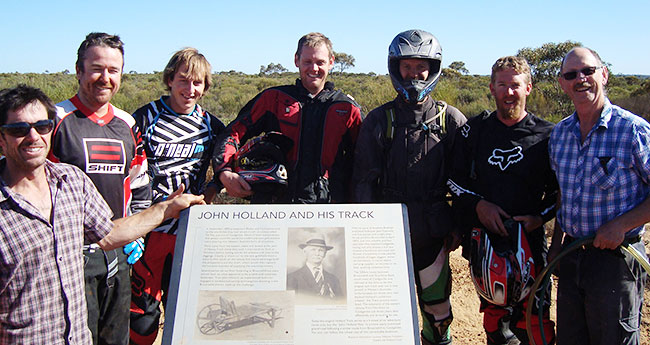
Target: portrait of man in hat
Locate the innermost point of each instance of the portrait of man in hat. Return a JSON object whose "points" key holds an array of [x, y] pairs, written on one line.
{"points": [[312, 278]]}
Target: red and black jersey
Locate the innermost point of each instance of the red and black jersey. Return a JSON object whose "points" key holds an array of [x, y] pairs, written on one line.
{"points": [[324, 129], [108, 149]]}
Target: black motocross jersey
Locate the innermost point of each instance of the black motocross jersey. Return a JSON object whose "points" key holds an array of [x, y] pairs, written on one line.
{"points": [[507, 166]]}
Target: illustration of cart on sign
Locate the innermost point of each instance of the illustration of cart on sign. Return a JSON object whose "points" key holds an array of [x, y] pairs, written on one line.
{"points": [[216, 318]]}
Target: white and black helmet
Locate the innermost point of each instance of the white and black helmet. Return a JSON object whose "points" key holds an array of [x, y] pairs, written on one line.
{"points": [[414, 44]]}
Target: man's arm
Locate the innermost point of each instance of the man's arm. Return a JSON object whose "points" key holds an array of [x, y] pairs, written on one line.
{"points": [[341, 183], [369, 158], [549, 202], [556, 242], [470, 207], [128, 229], [611, 234], [247, 125], [140, 184], [235, 185]]}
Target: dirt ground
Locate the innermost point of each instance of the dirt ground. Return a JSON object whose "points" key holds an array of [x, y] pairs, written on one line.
{"points": [[467, 328]]}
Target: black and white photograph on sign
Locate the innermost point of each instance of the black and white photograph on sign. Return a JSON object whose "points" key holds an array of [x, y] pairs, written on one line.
{"points": [[245, 315], [316, 265]]}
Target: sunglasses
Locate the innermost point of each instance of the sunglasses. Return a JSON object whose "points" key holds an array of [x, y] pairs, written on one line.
{"points": [[21, 129], [587, 71]]}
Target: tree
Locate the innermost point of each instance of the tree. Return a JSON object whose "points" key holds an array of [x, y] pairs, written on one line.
{"points": [[545, 61], [272, 68], [343, 61], [459, 66]]}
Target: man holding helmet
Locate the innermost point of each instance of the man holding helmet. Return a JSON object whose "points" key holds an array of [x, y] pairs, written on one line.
{"points": [[322, 122], [398, 159], [500, 171]]}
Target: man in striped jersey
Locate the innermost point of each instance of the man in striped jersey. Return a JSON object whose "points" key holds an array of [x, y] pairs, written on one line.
{"points": [[178, 139], [106, 144]]}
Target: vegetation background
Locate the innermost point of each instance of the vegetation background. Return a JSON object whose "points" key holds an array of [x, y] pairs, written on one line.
{"points": [[469, 93]]}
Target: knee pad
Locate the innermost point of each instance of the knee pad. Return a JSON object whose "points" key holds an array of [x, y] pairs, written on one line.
{"points": [[435, 281], [436, 330]]}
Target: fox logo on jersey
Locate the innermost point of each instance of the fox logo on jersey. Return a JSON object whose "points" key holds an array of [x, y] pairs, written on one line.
{"points": [[104, 156], [503, 158], [464, 131]]}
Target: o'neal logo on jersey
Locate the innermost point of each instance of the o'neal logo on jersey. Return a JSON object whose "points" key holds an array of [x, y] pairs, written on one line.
{"points": [[104, 156], [173, 150]]}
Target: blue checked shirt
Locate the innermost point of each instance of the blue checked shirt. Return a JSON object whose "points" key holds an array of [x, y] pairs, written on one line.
{"points": [[604, 177], [42, 297]]}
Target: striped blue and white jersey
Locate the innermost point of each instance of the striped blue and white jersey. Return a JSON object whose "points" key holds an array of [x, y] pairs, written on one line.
{"points": [[179, 149]]}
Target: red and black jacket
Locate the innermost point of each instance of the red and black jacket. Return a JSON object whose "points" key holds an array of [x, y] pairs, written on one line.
{"points": [[324, 129]]}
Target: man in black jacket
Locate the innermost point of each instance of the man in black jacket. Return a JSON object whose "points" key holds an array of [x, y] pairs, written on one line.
{"points": [[401, 157]]}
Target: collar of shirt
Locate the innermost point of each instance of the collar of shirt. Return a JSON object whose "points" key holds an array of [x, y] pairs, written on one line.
{"points": [[603, 120], [313, 267]]}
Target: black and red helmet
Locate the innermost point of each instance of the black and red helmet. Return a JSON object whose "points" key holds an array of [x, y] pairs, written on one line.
{"points": [[502, 268], [261, 162]]}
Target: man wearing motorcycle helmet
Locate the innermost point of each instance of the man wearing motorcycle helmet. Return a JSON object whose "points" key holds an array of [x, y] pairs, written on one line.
{"points": [[401, 156], [501, 170]]}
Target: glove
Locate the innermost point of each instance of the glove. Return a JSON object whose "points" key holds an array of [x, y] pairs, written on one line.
{"points": [[134, 250]]}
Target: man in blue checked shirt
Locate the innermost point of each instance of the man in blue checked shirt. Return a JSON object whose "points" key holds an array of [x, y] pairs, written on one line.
{"points": [[601, 156]]}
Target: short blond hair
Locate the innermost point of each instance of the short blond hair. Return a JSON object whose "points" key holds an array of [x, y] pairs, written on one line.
{"points": [[516, 63], [198, 67], [314, 39]]}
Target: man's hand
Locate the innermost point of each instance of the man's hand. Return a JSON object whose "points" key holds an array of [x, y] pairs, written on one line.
{"points": [[177, 201], [235, 185], [134, 250], [209, 194], [452, 241], [553, 251], [490, 216], [530, 222], [609, 236]]}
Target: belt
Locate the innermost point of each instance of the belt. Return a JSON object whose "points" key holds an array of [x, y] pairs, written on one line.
{"points": [[633, 239], [91, 246]]}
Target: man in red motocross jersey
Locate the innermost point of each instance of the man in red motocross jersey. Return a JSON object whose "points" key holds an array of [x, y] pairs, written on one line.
{"points": [[322, 122]]}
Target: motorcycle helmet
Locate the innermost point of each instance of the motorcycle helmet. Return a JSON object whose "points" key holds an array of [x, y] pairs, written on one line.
{"points": [[502, 268], [261, 162], [414, 44]]}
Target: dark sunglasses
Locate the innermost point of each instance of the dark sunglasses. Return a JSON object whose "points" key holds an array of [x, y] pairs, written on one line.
{"points": [[586, 71], [21, 129]]}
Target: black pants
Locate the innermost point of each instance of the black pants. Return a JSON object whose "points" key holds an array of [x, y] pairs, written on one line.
{"points": [[108, 296]]}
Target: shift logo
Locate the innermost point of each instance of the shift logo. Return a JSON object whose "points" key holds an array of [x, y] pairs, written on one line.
{"points": [[503, 158], [104, 156]]}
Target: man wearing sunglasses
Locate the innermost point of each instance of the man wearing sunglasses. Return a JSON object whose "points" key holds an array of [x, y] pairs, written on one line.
{"points": [[47, 211], [601, 156], [106, 144]]}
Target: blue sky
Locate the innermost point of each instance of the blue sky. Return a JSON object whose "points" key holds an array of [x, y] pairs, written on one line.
{"points": [[242, 35]]}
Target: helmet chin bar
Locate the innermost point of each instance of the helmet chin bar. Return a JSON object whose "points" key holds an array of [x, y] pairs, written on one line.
{"points": [[415, 91]]}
